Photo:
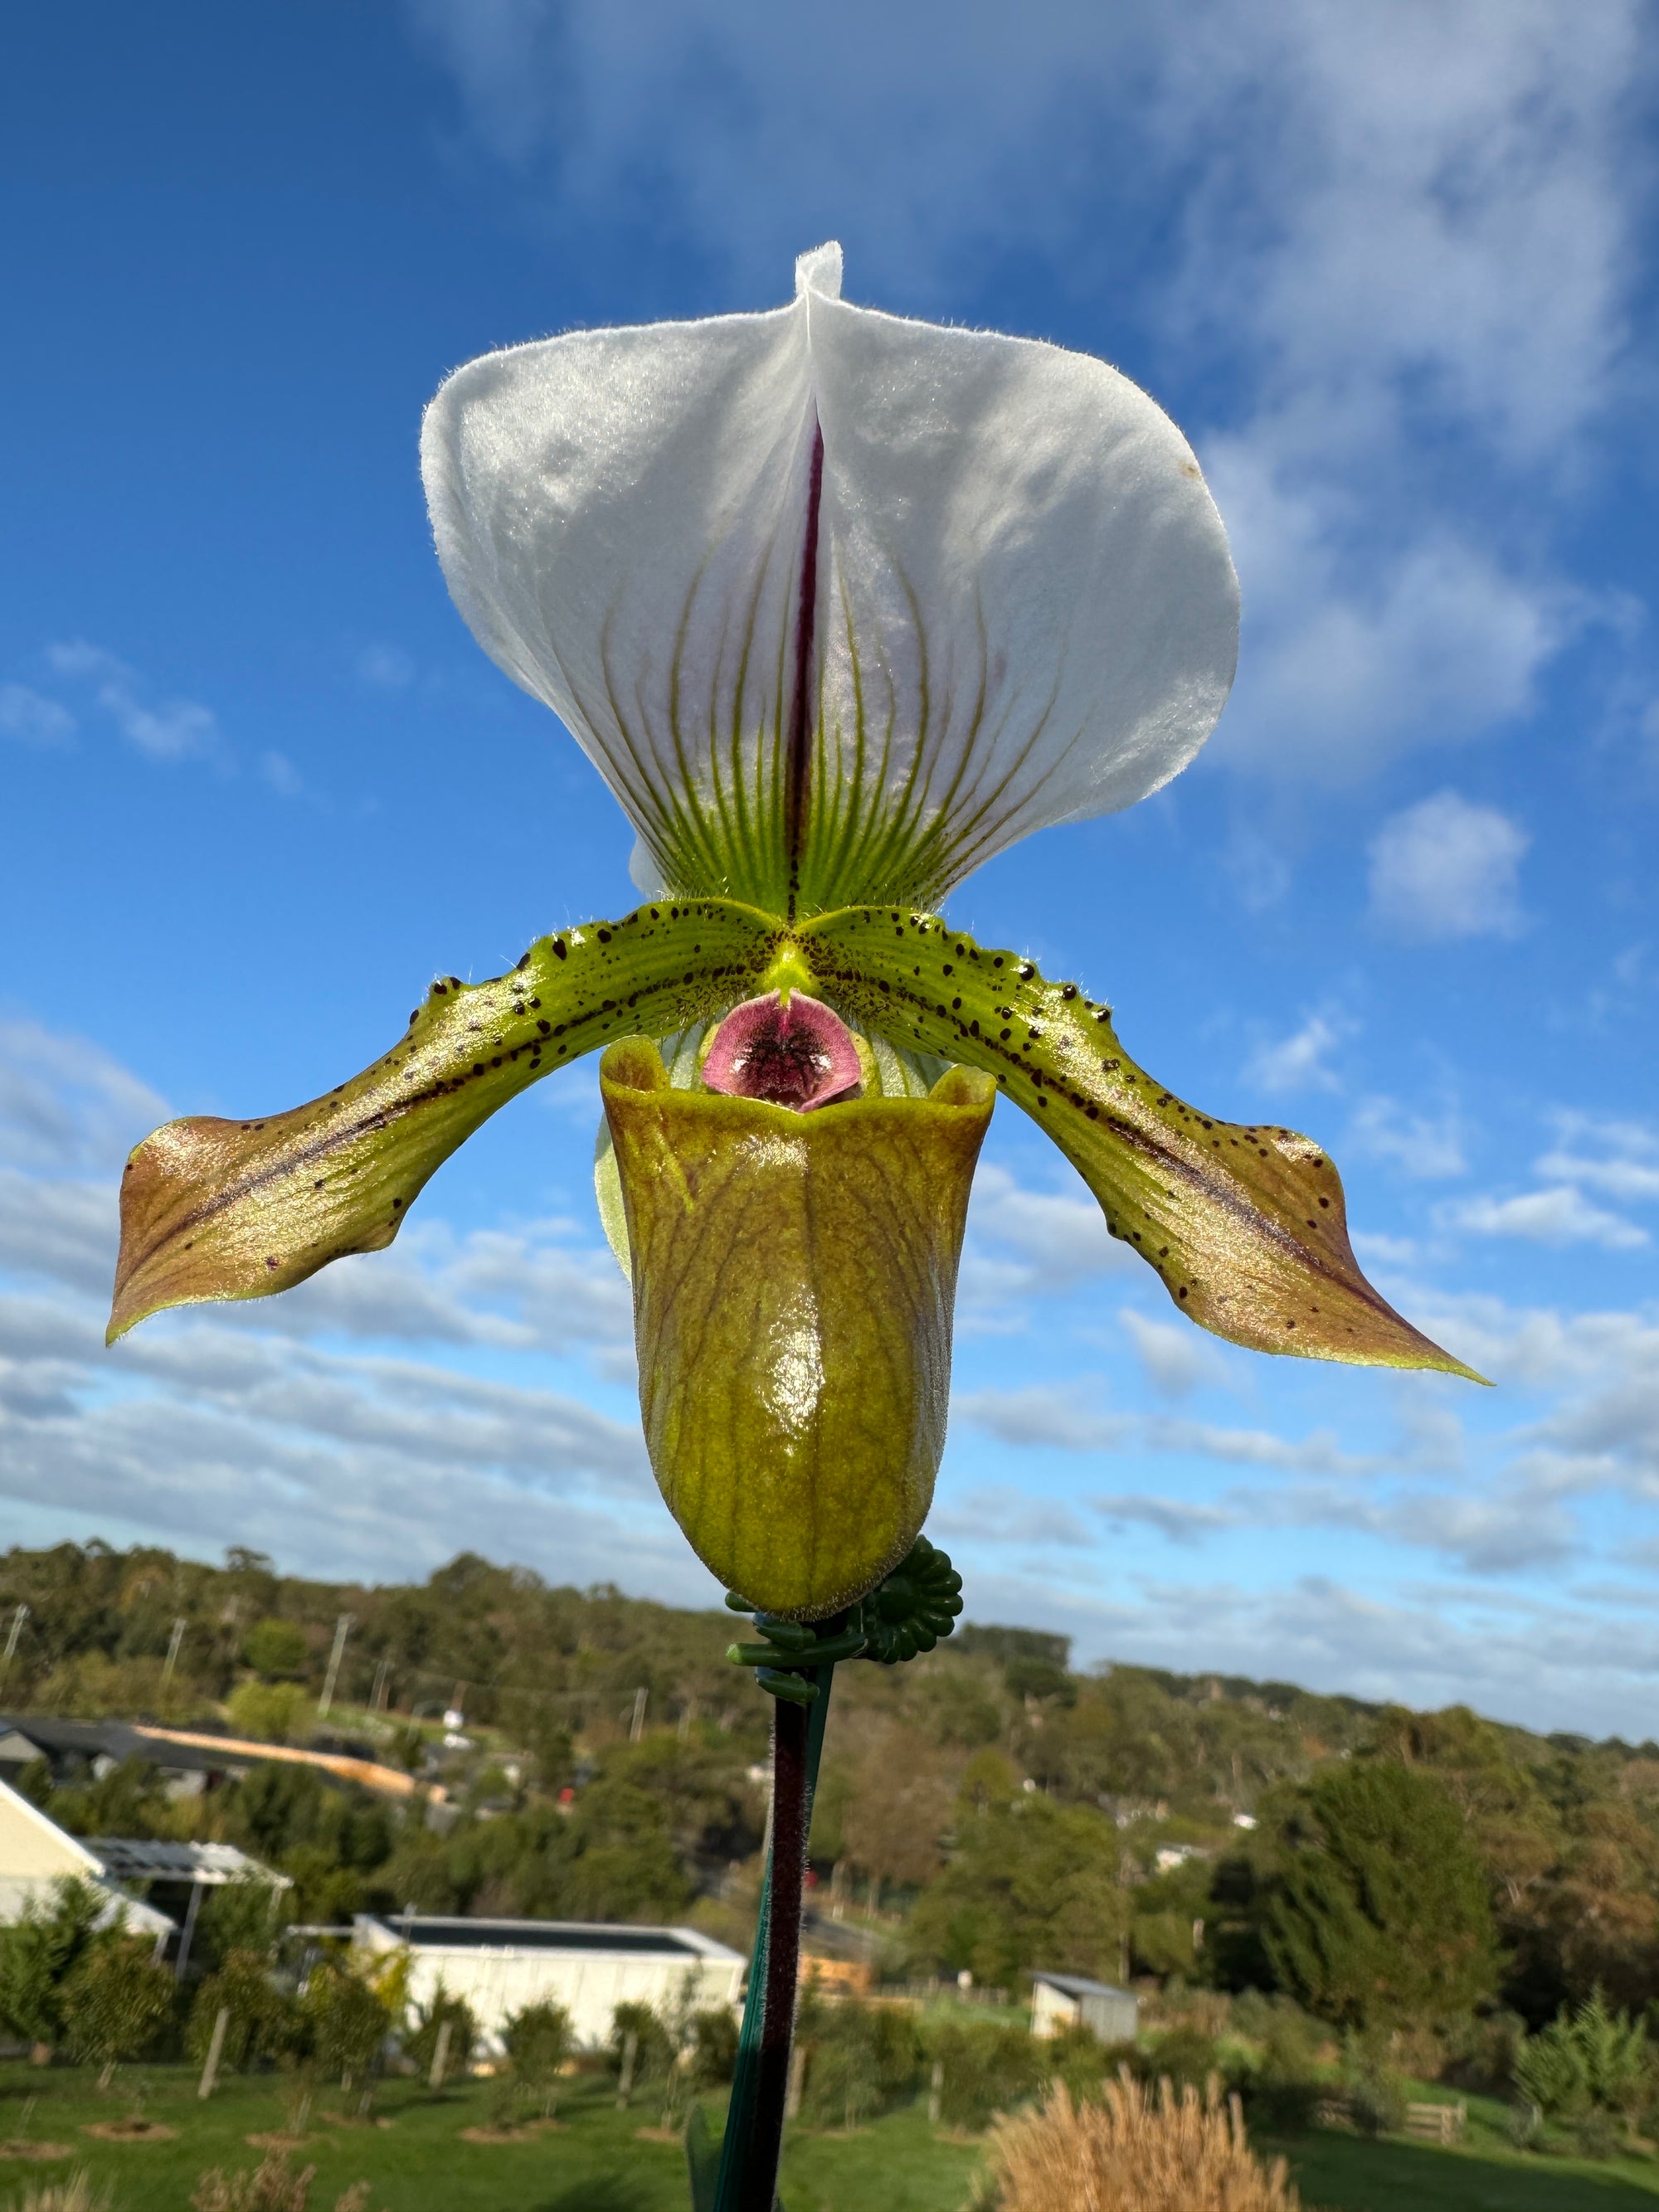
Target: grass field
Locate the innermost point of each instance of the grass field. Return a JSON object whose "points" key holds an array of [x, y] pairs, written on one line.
{"points": [[597, 2162]]}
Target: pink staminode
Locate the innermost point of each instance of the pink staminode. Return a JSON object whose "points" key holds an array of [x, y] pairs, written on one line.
{"points": [[799, 1055]]}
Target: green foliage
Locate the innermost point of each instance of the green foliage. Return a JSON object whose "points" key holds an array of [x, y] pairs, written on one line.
{"points": [[986, 2068], [421, 2042], [277, 1712], [116, 2003], [265, 2023], [277, 1648], [860, 2060], [347, 2023], [713, 2047], [128, 1801], [243, 1914], [1376, 2094], [1030, 1884], [1588, 2060], [653, 2047], [1382, 1916], [41, 1954], [539, 2039]]}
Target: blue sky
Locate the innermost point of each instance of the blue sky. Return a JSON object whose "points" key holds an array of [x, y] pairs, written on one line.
{"points": [[1391, 271]]}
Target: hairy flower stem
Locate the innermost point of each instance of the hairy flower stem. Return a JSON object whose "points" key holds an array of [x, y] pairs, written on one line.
{"points": [[760, 2086], [790, 1725]]}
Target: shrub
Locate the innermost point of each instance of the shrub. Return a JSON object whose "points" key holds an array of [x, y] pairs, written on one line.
{"points": [[986, 2068], [653, 2047], [40, 1955], [421, 2043], [713, 2047], [859, 2058], [348, 2022], [1135, 2151], [539, 2041], [1591, 2060], [116, 2004], [277, 1712], [265, 2024]]}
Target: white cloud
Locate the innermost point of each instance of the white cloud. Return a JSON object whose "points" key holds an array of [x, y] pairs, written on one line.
{"points": [[1179, 1519], [385, 668], [171, 730], [1069, 1418], [1620, 1159], [1445, 868], [1298, 1061], [1174, 1356], [1427, 1149], [280, 772], [997, 1514], [1023, 1244], [1558, 1215], [33, 718], [64, 1102]]}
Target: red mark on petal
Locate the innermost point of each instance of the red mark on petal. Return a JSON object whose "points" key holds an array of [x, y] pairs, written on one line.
{"points": [[799, 1055]]}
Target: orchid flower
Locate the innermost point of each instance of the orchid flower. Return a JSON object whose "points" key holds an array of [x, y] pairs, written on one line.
{"points": [[840, 606]]}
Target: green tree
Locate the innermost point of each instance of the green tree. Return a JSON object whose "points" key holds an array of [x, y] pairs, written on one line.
{"points": [[984, 2067], [421, 2042], [539, 2039], [1033, 1884], [1588, 2060], [116, 2003], [348, 2022], [264, 2021], [1382, 1917], [40, 1954], [277, 1648]]}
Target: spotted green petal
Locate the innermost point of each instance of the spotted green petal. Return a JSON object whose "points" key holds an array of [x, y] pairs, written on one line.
{"points": [[1244, 1224], [839, 603], [227, 1209]]}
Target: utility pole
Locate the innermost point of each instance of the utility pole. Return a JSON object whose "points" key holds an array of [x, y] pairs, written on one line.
{"points": [[20, 1615], [175, 1643], [343, 1628]]}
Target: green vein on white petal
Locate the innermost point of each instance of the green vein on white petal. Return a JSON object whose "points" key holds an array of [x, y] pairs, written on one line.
{"points": [[1025, 610]]}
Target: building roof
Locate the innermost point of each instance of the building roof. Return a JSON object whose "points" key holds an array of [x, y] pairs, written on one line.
{"points": [[24, 1736], [128, 1859], [1078, 1985], [429, 1932]]}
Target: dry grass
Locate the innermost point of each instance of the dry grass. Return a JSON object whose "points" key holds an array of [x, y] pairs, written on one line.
{"points": [[75, 2195], [1135, 2152], [272, 2186]]}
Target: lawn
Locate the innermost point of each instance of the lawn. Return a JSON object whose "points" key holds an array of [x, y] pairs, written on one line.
{"points": [[594, 2163], [597, 2162]]}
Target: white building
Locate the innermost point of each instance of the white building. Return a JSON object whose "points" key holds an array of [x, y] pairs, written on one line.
{"points": [[36, 1855], [500, 1966], [1063, 2000]]}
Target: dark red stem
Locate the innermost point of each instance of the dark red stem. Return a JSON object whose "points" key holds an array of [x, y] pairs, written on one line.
{"points": [[789, 1730]]}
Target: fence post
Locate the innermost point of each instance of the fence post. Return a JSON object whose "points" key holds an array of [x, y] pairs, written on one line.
{"points": [[215, 2051]]}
